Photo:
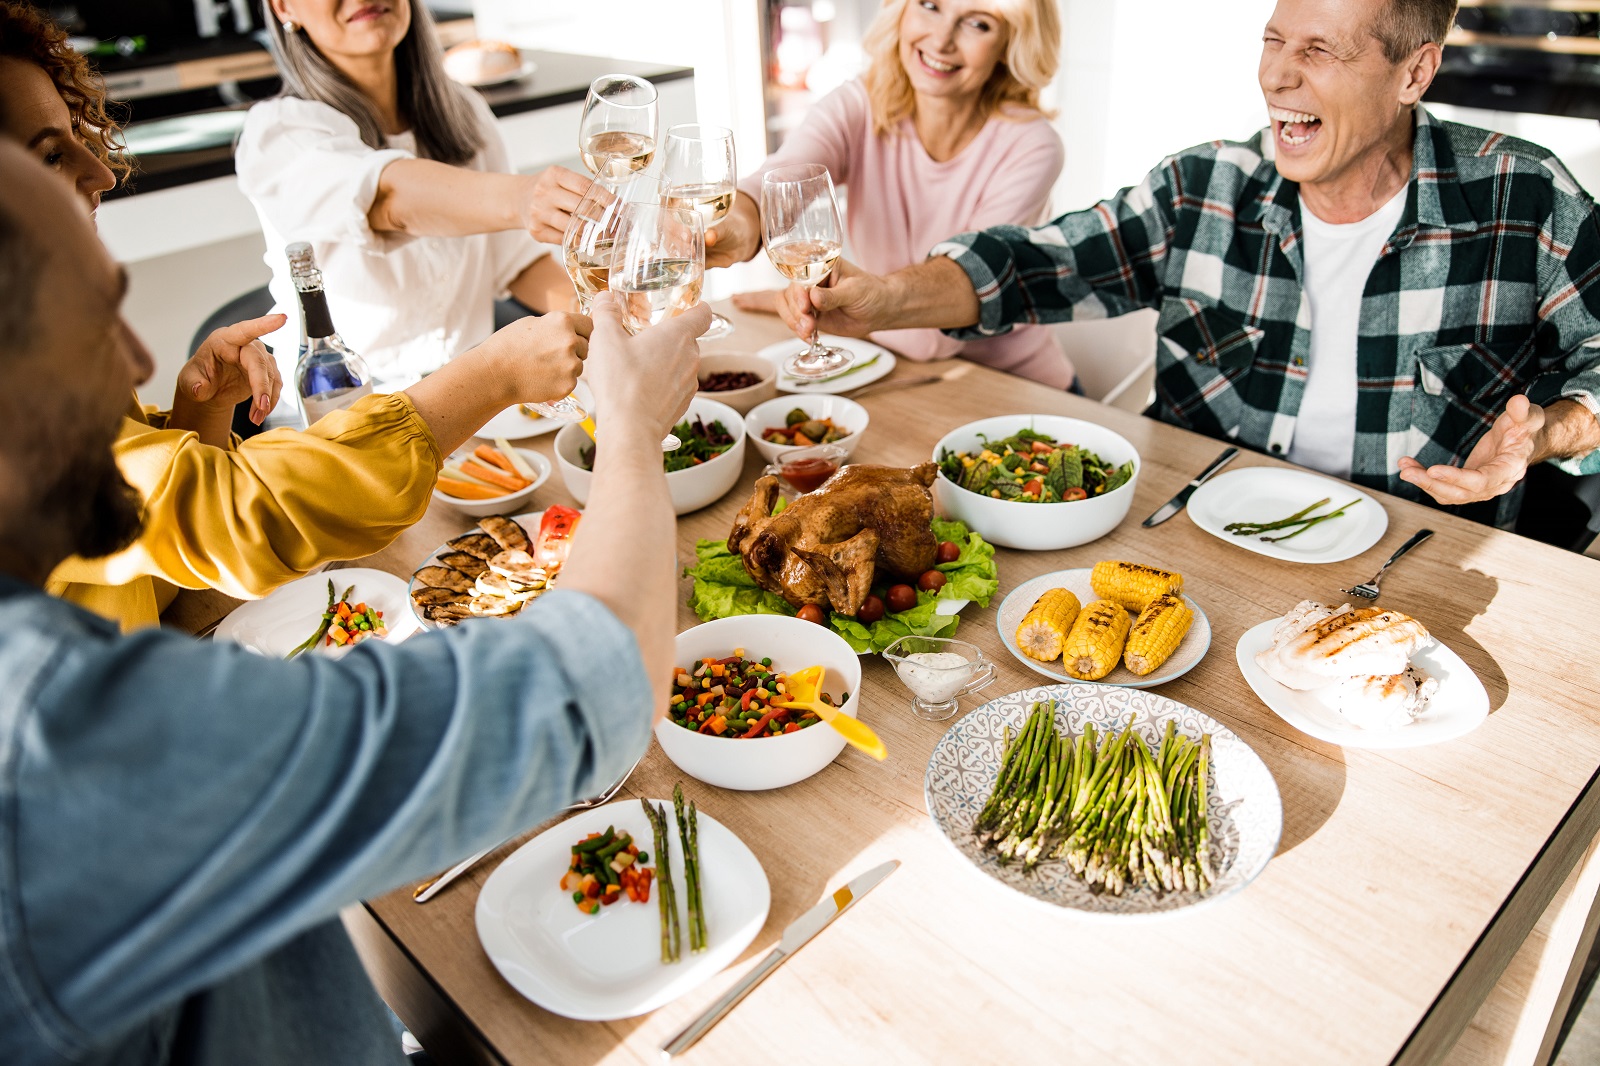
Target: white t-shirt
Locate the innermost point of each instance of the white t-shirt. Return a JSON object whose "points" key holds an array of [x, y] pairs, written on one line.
{"points": [[406, 304], [1338, 261]]}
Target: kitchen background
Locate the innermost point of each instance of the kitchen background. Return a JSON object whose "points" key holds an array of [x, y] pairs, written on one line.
{"points": [[1138, 79]]}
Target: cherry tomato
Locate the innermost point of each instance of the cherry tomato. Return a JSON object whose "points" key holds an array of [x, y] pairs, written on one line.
{"points": [[902, 597], [812, 613], [932, 581], [949, 551], [871, 610], [1034, 487], [1074, 494]]}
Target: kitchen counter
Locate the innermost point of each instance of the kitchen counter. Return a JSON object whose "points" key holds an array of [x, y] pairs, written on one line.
{"points": [[190, 148]]}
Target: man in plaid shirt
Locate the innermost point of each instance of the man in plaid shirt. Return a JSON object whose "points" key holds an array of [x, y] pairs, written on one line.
{"points": [[1462, 346]]}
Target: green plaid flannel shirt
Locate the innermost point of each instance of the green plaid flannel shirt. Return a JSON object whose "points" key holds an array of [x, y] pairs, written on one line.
{"points": [[1489, 286]]}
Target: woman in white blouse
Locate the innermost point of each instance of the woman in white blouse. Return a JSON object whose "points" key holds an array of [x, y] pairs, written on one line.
{"points": [[401, 182]]}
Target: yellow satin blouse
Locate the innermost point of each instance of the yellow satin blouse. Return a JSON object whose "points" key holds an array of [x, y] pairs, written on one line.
{"points": [[246, 520]]}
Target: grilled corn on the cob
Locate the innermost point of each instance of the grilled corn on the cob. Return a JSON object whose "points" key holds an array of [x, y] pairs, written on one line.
{"points": [[1132, 584], [1095, 643], [1043, 631], [1156, 633]]}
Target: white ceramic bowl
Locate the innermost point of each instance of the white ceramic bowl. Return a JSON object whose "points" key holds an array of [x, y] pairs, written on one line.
{"points": [[741, 400], [846, 414], [511, 502], [691, 489], [1038, 526], [767, 762]]}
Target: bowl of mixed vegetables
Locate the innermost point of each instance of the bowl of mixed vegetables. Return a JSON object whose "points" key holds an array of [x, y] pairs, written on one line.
{"points": [[699, 472], [783, 426], [1036, 482], [727, 723]]}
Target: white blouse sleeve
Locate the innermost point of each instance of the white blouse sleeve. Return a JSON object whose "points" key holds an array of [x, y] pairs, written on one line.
{"points": [[307, 171], [511, 251]]}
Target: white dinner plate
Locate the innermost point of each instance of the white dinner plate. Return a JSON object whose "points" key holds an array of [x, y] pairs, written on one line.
{"points": [[1190, 650], [1243, 809], [515, 424], [863, 349], [608, 965], [1268, 493], [278, 623], [527, 68], [1458, 707]]}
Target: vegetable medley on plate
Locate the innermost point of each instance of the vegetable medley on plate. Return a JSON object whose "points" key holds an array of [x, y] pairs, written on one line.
{"points": [[738, 698], [1033, 468], [702, 442]]}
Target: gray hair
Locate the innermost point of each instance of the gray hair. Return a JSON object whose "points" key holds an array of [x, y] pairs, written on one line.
{"points": [[441, 114]]}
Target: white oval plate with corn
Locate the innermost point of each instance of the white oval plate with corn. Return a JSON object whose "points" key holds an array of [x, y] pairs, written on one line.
{"points": [[1460, 705], [1190, 650]]}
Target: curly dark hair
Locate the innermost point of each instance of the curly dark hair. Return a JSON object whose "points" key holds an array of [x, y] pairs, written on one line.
{"points": [[29, 35]]}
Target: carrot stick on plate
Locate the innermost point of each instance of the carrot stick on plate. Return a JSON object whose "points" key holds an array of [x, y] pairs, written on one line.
{"points": [[467, 490], [509, 482], [496, 459]]}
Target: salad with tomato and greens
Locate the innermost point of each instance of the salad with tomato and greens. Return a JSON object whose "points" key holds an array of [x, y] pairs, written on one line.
{"points": [[1031, 467]]}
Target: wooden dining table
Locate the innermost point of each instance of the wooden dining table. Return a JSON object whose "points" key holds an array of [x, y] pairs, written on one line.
{"points": [[1424, 905]]}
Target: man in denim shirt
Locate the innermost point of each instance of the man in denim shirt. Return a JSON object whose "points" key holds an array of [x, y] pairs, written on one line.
{"points": [[180, 822]]}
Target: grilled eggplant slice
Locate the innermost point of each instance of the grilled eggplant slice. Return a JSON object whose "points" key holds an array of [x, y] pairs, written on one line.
{"points": [[506, 533], [471, 565], [443, 577], [478, 544]]}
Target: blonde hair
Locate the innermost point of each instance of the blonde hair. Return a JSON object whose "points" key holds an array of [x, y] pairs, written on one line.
{"points": [[1033, 51]]}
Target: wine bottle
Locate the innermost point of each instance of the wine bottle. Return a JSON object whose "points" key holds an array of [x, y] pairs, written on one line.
{"points": [[328, 376]]}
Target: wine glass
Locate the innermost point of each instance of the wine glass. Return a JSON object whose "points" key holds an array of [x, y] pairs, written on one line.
{"points": [[617, 134], [657, 267], [800, 224], [587, 248], [698, 175]]}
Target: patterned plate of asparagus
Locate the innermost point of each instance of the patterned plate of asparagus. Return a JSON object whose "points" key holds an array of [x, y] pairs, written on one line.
{"points": [[1111, 802], [627, 957], [1288, 514]]}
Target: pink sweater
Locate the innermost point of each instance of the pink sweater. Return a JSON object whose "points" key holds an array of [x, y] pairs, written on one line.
{"points": [[903, 202]]}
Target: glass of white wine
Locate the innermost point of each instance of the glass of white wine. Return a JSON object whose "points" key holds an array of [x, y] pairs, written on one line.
{"points": [[804, 238], [658, 265], [617, 134], [699, 173]]}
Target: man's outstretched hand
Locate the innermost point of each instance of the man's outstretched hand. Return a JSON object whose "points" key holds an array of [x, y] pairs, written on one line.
{"points": [[1497, 462]]}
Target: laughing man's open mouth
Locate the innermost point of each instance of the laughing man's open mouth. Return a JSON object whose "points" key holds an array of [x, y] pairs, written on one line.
{"points": [[1294, 128]]}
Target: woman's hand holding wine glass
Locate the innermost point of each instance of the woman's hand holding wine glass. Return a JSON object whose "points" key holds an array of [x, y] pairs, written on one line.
{"points": [[699, 176]]}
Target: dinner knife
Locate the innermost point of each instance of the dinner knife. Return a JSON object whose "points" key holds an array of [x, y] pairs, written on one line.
{"points": [[1176, 504], [800, 931]]}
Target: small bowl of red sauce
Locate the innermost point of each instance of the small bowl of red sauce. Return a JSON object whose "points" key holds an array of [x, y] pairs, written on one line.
{"points": [[805, 469]]}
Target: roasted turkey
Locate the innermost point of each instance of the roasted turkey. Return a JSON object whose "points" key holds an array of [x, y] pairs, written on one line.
{"points": [[827, 545]]}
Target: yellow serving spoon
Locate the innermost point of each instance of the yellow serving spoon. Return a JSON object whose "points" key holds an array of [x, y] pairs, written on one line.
{"points": [[802, 689]]}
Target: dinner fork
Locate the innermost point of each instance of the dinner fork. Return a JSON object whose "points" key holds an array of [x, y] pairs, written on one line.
{"points": [[428, 889], [1369, 589]]}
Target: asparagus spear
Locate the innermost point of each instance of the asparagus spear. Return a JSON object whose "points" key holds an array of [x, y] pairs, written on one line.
{"points": [[327, 620], [694, 844], [1308, 523], [666, 894], [691, 873]]}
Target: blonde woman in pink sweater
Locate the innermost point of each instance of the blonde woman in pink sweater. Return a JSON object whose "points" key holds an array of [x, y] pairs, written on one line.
{"points": [[943, 134]]}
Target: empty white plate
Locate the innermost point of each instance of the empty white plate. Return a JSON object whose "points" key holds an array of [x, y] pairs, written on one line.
{"points": [[280, 622], [608, 965], [1269, 493], [853, 376], [1458, 707]]}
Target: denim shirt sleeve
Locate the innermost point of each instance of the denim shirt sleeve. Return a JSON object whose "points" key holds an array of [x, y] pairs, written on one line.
{"points": [[178, 809]]}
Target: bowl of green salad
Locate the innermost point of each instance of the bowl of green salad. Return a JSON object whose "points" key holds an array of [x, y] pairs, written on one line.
{"points": [[1036, 482], [699, 472]]}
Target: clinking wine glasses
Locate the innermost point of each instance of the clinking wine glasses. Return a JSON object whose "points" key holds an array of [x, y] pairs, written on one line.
{"points": [[617, 134], [698, 174], [657, 267], [800, 225]]}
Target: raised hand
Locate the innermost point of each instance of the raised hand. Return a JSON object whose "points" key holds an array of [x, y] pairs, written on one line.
{"points": [[548, 202], [645, 380], [1496, 464], [540, 357], [850, 302], [232, 366]]}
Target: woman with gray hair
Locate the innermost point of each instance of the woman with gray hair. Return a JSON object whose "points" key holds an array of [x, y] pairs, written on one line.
{"points": [[402, 184]]}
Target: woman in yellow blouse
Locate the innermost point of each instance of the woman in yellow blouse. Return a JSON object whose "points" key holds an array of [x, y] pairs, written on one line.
{"points": [[245, 518]]}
